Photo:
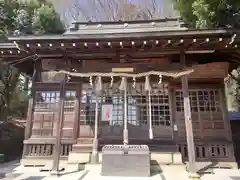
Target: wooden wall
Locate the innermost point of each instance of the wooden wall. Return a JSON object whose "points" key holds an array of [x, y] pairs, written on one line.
{"points": [[210, 127], [207, 115], [207, 123]]}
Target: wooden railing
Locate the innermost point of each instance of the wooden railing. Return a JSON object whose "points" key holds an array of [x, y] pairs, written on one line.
{"points": [[209, 151], [45, 150], [204, 152]]}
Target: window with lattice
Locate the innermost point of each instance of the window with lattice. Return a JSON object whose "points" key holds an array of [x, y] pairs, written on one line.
{"points": [[112, 100], [49, 100], [200, 100]]}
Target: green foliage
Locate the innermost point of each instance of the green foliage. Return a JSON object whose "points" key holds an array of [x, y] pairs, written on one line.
{"points": [[209, 14], [3, 19], [46, 20], [9, 78], [19, 101], [22, 18], [233, 88], [186, 10], [29, 17]]}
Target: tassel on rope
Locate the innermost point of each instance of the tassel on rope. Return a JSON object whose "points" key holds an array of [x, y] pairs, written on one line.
{"points": [[147, 84], [111, 84], [90, 81], [123, 84], [134, 82], [68, 78], [99, 84], [160, 79]]}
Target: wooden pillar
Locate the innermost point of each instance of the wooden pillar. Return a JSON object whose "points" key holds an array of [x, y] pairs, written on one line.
{"points": [[94, 156], [125, 130], [227, 126], [57, 145], [31, 105], [225, 116], [171, 92], [77, 112], [188, 125]]}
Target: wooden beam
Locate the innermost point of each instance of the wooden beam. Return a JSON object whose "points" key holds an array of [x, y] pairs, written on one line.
{"points": [[60, 119], [188, 123]]}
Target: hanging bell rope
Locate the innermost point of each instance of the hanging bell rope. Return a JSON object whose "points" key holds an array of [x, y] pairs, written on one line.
{"points": [[148, 89]]}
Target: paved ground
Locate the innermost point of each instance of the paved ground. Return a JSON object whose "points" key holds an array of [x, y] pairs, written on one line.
{"points": [[14, 171]]}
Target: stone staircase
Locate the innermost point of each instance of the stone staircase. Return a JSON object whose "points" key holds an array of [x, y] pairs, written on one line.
{"points": [[80, 154], [84, 145]]}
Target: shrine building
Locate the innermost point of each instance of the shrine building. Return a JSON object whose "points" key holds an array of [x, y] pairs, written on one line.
{"points": [[155, 83]]}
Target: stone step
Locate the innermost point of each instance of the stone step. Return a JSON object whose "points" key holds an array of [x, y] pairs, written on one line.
{"points": [[85, 141], [82, 148]]}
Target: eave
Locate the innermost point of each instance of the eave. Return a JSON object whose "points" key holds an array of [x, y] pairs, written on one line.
{"points": [[103, 44]]}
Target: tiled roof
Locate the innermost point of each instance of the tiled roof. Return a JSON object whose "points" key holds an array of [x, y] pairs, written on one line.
{"points": [[88, 28]]}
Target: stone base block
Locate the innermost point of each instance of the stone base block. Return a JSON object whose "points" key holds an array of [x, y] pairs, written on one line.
{"points": [[73, 167], [157, 158], [130, 165], [79, 157]]}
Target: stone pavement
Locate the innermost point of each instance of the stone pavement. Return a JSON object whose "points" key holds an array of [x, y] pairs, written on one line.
{"points": [[14, 171]]}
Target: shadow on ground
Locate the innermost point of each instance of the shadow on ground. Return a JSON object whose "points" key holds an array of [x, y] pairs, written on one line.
{"points": [[7, 169]]}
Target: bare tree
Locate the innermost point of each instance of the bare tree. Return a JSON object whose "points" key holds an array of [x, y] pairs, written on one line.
{"points": [[114, 10]]}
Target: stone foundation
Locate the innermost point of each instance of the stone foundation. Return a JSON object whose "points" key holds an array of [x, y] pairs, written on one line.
{"points": [[156, 158]]}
